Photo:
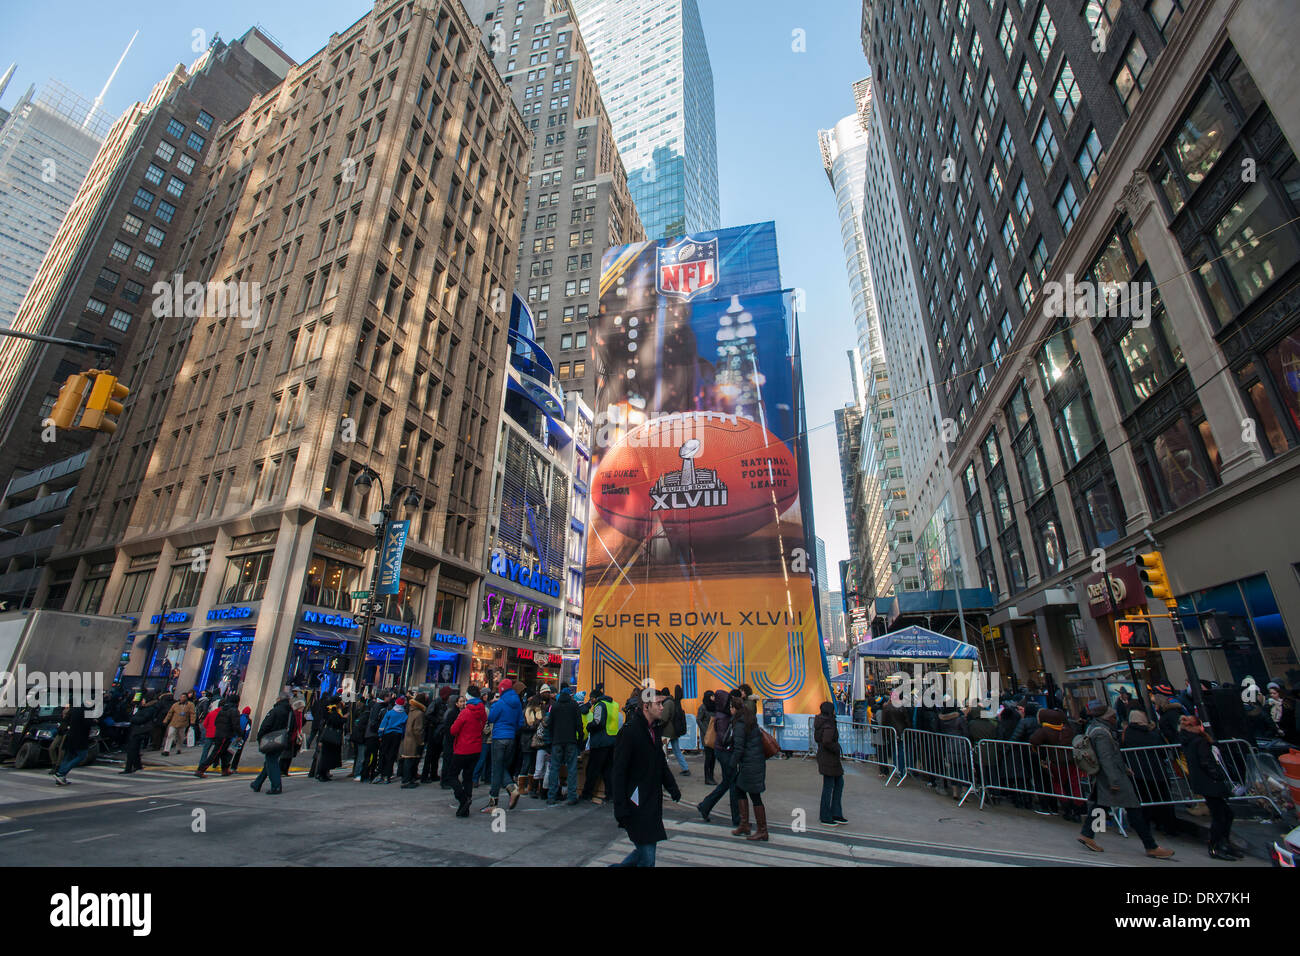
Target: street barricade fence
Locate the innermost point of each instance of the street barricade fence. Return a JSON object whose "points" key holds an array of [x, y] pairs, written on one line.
{"points": [[1047, 772], [943, 756]]}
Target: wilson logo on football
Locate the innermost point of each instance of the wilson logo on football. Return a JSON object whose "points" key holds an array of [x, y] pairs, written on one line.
{"points": [[691, 487], [687, 268]]}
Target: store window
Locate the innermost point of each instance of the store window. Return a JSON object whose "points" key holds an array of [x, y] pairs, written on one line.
{"points": [[92, 592], [330, 583], [449, 612], [134, 586], [184, 585], [246, 577], [1242, 619]]}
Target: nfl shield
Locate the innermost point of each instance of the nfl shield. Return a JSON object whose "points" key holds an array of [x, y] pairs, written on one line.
{"points": [[686, 269]]}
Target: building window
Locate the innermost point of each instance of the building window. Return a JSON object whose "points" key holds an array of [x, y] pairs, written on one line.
{"points": [[131, 224], [92, 592], [1024, 204], [143, 262], [1067, 206], [1006, 147], [184, 586], [1089, 157], [153, 174], [175, 187], [121, 320], [154, 236], [185, 164], [119, 251], [204, 120], [330, 583], [175, 128], [1166, 15], [95, 306], [1044, 34], [132, 290], [1045, 145], [1040, 260], [1066, 94], [165, 211], [1027, 87], [246, 577], [1132, 75], [195, 142]]}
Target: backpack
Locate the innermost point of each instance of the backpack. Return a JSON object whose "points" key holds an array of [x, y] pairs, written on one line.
{"points": [[679, 719], [1085, 755]]}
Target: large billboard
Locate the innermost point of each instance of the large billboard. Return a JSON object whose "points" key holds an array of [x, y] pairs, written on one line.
{"points": [[699, 569]]}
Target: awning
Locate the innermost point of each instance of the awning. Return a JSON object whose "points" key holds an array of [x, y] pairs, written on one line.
{"points": [[842, 678], [915, 644]]}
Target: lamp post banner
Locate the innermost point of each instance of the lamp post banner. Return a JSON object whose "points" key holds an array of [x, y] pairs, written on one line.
{"points": [[390, 565]]}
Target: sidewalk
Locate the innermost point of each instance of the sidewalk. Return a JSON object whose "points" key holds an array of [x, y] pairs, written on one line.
{"points": [[187, 760]]}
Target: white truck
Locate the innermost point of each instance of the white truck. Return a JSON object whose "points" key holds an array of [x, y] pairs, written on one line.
{"points": [[46, 659]]}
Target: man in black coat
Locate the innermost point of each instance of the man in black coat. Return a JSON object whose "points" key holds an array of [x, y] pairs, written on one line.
{"points": [[76, 742], [638, 779], [141, 727], [227, 730], [276, 719], [565, 746]]}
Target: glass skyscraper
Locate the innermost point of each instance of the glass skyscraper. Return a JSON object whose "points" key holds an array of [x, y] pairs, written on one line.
{"points": [[652, 66]]}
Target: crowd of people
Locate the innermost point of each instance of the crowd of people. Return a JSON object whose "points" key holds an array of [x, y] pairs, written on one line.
{"points": [[1107, 748]]}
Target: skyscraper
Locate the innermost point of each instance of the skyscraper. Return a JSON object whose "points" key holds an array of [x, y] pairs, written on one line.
{"points": [[883, 553], [652, 64], [375, 195], [1112, 302], [578, 204], [46, 149]]}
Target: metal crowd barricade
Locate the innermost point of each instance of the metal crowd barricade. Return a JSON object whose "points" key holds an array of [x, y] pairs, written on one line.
{"points": [[949, 758], [1161, 778], [1048, 771]]}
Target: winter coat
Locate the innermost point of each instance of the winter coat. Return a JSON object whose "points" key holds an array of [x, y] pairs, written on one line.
{"points": [[1204, 774], [394, 721], [953, 723], [506, 716], [926, 718], [827, 734], [980, 728], [721, 720], [227, 722], [179, 715], [640, 769], [668, 722], [277, 718], [564, 720], [891, 715], [76, 731], [1025, 728], [433, 718], [747, 750], [1170, 713], [210, 722], [467, 728], [1111, 786], [1053, 730], [413, 736], [377, 712], [360, 719], [448, 718], [142, 720], [703, 717]]}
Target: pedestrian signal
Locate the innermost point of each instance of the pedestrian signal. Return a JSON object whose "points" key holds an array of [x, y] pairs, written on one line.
{"points": [[1133, 633]]}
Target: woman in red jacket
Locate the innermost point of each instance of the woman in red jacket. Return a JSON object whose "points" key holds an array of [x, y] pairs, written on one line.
{"points": [[467, 743]]}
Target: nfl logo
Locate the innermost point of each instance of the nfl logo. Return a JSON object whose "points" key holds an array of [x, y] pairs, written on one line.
{"points": [[687, 268]]}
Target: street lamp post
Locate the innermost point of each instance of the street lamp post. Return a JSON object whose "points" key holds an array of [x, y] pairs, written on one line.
{"points": [[364, 481]]}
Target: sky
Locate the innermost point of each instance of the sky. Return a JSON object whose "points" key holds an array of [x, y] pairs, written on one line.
{"points": [[770, 101]]}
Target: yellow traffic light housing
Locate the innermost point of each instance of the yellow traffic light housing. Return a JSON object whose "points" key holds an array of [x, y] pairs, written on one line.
{"points": [[71, 395], [1155, 579], [104, 404]]}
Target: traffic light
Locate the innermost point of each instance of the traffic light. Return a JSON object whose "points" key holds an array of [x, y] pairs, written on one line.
{"points": [[1132, 633], [71, 395], [104, 403], [1155, 579]]}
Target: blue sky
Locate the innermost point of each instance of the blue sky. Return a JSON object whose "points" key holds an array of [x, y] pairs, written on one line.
{"points": [[770, 102]]}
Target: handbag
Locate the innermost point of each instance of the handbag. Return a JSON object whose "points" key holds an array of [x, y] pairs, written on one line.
{"points": [[189, 736], [770, 747], [332, 736], [711, 736], [542, 736], [273, 743]]}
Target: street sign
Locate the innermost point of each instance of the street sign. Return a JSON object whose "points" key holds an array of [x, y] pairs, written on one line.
{"points": [[361, 595], [990, 633]]}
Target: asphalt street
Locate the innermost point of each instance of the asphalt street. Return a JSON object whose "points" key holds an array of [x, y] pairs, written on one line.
{"points": [[165, 817]]}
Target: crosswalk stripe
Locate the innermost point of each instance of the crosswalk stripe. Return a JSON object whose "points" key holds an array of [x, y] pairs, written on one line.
{"points": [[775, 855]]}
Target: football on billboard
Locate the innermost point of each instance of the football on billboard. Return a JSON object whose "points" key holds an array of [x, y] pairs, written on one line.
{"points": [[706, 477]]}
